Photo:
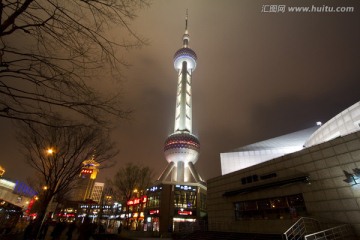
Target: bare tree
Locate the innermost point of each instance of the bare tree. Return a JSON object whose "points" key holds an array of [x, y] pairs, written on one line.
{"points": [[128, 178], [50, 49], [56, 154]]}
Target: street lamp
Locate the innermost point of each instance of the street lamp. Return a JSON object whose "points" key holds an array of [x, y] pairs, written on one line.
{"points": [[50, 151]]}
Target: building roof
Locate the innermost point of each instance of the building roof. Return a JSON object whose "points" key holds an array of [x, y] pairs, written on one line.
{"points": [[288, 140], [344, 123]]}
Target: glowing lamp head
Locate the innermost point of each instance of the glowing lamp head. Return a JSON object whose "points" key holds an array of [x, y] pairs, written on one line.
{"points": [[183, 147], [50, 151], [185, 55]]}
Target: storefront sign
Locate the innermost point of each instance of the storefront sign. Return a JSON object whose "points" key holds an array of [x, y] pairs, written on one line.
{"points": [[152, 212], [184, 212], [135, 201]]}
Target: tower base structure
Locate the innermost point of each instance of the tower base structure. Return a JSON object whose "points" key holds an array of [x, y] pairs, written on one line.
{"points": [[189, 172], [176, 207]]}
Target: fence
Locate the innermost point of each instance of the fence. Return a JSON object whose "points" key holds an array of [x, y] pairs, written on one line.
{"points": [[340, 232], [312, 229]]}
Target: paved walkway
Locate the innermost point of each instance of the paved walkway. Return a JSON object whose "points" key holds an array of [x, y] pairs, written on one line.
{"points": [[20, 236], [152, 238]]}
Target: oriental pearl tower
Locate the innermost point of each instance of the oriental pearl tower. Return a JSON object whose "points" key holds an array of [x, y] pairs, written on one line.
{"points": [[182, 147]]}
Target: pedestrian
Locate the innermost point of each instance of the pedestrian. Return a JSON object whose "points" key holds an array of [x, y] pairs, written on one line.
{"points": [[101, 228], [44, 230], [58, 229], [71, 228], [119, 228], [28, 232], [86, 230]]}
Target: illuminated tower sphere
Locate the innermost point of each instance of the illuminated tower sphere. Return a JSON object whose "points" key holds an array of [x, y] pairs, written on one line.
{"points": [[182, 147]]}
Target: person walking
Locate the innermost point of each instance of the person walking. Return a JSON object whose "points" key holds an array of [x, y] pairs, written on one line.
{"points": [[86, 230], [28, 232], [71, 227], [58, 229]]}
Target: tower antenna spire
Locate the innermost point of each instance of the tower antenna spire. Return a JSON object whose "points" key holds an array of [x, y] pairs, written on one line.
{"points": [[186, 37], [186, 20]]}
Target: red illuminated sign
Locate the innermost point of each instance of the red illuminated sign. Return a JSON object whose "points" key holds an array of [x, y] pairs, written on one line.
{"points": [[152, 212], [184, 212], [86, 171], [135, 201], [31, 203], [66, 215]]}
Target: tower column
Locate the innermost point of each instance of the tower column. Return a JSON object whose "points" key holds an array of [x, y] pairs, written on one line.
{"points": [[183, 126], [194, 173], [183, 112], [180, 171], [167, 171]]}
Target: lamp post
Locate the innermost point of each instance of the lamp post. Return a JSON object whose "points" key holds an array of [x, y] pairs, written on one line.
{"points": [[49, 152]]}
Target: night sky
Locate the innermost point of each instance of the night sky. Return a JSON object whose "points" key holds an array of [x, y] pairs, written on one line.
{"points": [[259, 75]]}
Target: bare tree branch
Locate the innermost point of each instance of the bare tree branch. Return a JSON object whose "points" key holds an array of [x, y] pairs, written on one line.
{"points": [[60, 169], [50, 49], [127, 179]]}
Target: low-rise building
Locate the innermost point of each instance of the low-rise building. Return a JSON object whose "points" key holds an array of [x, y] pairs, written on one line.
{"points": [[321, 180]]}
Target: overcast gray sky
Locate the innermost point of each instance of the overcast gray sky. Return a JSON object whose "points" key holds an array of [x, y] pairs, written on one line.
{"points": [[259, 75]]}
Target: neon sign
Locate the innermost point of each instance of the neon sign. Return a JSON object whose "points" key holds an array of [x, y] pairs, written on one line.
{"points": [[152, 212], [184, 212], [185, 187], [86, 171], [136, 201]]}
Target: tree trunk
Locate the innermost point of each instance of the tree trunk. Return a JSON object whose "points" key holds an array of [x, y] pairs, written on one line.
{"points": [[41, 216]]}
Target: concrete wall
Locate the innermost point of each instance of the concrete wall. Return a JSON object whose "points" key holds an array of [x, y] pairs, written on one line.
{"points": [[328, 196]]}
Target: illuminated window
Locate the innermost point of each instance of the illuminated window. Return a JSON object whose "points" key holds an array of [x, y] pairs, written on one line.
{"points": [[184, 199], [153, 200], [285, 207]]}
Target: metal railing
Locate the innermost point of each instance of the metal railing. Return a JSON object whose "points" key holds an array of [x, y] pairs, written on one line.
{"points": [[340, 232], [302, 227], [312, 229]]}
